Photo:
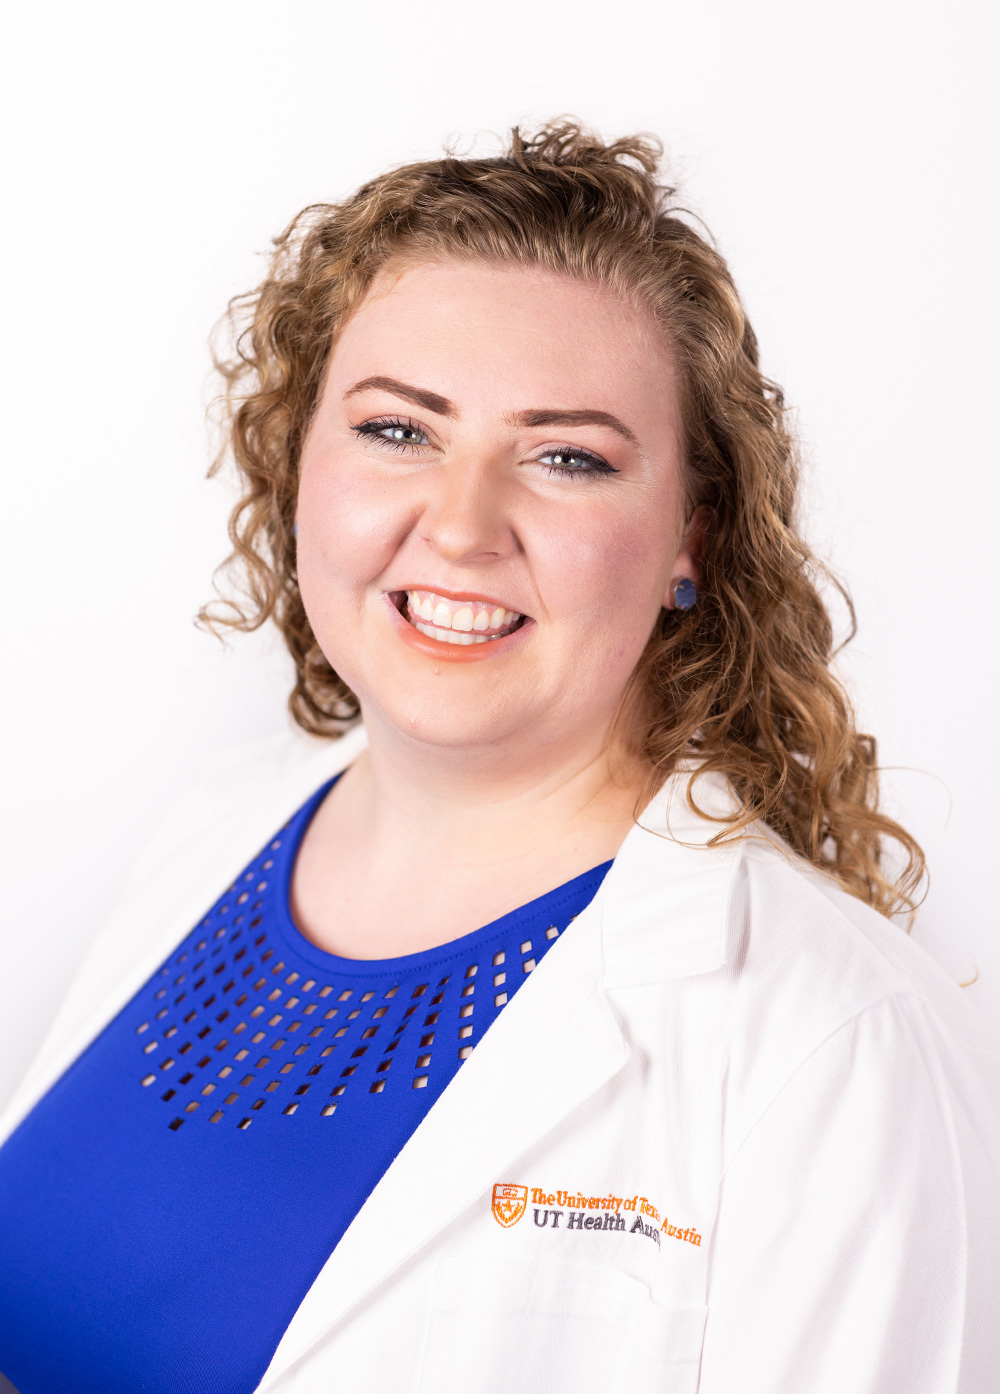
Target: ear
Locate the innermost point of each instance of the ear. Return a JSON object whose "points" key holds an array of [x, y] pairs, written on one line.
{"points": [[687, 563]]}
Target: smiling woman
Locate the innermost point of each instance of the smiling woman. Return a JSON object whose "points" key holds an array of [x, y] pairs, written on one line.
{"points": [[573, 875]]}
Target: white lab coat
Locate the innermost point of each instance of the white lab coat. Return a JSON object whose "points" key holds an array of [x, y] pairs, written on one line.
{"points": [[736, 1134]]}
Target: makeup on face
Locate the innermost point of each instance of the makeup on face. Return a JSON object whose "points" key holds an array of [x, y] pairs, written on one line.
{"points": [[490, 490]]}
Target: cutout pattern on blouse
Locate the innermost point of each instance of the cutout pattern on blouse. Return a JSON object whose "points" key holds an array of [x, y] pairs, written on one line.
{"points": [[234, 1026]]}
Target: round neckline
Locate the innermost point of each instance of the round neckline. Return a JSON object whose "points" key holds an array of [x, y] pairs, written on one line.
{"points": [[291, 840]]}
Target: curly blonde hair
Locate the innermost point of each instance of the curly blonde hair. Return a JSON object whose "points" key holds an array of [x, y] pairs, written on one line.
{"points": [[742, 682]]}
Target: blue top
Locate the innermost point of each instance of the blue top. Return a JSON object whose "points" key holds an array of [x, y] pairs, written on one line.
{"points": [[168, 1203]]}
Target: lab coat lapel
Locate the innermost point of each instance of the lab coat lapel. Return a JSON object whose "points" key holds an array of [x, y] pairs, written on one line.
{"points": [[554, 1045], [668, 891]]}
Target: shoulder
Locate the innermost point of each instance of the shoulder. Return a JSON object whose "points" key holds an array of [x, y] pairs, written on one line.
{"points": [[241, 798], [243, 794], [823, 992], [792, 924], [787, 929], [767, 963]]}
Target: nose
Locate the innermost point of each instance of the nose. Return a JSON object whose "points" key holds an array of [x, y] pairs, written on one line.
{"points": [[466, 518]]}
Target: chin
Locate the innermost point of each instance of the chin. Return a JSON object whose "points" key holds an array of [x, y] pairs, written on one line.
{"points": [[450, 723]]}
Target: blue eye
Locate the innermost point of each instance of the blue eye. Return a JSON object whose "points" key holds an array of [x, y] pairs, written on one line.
{"points": [[568, 461], [396, 434]]}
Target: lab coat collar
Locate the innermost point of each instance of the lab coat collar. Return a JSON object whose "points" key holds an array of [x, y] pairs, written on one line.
{"points": [[667, 894], [661, 912]]}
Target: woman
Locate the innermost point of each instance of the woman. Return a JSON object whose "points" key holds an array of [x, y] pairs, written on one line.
{"points": [[548, 1030]]}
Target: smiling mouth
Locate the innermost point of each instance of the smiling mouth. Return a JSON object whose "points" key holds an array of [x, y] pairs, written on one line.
{"points": [[451, 621]]}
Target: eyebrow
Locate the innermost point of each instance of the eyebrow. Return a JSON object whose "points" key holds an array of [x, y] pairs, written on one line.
{"points": [[542, 416], [556, 417], [420, 396]]}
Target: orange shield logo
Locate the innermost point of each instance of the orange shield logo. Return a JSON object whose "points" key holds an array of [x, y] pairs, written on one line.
{"points": [[509, 1204]]}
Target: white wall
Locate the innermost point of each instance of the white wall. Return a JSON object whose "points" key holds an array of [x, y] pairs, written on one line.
{"points": [[838, 152]]}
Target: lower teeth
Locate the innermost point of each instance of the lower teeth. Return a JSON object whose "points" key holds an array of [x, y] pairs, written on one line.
{"points": [[454, 636]]}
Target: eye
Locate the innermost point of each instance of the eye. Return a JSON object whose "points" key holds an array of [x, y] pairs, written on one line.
{"points": [[568, 460], [396, 433]]}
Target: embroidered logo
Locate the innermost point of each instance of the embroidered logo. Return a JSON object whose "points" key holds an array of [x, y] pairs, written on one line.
{"points": [[636, 1214], [509, 1203]]}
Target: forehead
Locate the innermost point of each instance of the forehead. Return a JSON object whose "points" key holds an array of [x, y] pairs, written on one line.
{"points": [[516, 336]]}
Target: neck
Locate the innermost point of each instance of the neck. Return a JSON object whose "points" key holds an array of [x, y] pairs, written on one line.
{"points": [[418, 844], [493, 802]]}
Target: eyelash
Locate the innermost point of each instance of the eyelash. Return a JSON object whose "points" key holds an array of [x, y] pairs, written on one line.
{"points": [[371, 430], [594, 463]]}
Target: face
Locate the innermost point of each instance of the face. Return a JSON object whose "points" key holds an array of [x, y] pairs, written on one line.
{"points": [[491, 510]]}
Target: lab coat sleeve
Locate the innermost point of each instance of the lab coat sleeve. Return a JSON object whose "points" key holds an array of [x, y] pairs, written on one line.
{"points": [[857, 1244]]}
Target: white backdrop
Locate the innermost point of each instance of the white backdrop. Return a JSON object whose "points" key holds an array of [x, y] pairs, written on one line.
{"points": [[839, 153]]}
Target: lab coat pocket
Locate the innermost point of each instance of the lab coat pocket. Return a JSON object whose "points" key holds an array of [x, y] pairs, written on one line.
{"points": [[517, 1325]]}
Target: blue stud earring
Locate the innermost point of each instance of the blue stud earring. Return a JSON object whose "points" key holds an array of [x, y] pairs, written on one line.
{"points": [[685, 593], [295, 529]]}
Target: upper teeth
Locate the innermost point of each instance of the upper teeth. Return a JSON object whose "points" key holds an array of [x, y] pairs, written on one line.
{"points": [[465, 616]]}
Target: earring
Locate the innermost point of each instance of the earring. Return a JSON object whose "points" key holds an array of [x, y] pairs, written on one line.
{"points": [[685, 593], [295, 529]]}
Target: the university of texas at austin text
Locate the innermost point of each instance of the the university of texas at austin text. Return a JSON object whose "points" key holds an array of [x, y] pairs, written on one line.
{"points": [[586, 1212]]}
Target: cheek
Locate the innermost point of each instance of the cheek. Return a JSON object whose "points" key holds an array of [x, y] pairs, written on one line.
{"points": [[349, 529], [606, 574]]}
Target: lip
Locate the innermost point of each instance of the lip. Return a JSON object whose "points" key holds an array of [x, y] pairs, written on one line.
{"points": [[453, 653]]}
